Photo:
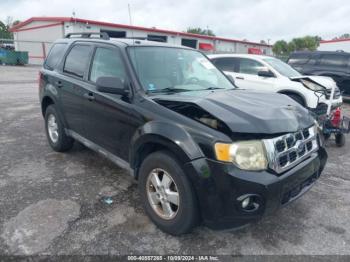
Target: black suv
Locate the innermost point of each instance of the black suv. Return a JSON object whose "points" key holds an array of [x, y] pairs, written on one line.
{"points": [[323, 63], [201, 150]]}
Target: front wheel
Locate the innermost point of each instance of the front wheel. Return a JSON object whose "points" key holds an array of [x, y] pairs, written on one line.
{"points": [[167, 195]]}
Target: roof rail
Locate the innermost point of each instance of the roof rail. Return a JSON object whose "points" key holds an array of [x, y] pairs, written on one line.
{"points": [[102, 35]]}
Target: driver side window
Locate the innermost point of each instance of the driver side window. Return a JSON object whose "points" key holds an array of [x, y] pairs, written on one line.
{"points": [[249, 66], [107, 62]]}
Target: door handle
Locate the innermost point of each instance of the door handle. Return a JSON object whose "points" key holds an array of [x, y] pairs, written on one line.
{"points": [[240, 77], [89, 96], [59, 84]]}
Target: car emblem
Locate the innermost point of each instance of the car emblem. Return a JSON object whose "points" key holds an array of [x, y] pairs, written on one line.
{"points": [[300, 146]]}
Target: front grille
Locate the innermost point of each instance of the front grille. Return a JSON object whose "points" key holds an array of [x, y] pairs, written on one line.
{"points": [[288, 150], [336, 94]]}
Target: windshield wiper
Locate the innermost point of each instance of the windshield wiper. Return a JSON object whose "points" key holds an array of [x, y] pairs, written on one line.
{"points": [[168, 89], [212, 88]]}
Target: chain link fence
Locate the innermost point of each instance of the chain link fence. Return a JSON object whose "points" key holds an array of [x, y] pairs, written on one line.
{"points": [[36, 50]]}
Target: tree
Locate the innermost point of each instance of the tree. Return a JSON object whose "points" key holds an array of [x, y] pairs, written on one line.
{"points": [[5, 27], [311, 43], [343, 36], [4, 31], [200, 31], [280, 48]]}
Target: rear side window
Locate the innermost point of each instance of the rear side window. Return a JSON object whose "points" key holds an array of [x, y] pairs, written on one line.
{"points": [[107, 62], [298, 59], [225, 64], [55, 55], [334, 60], [77, 60]]}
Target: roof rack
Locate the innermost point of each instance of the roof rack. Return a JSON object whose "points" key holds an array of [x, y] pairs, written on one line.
{"points": [[102, 35]]}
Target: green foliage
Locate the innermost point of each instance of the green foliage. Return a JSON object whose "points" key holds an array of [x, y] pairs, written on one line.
{"points": [[343, 36], [200, 31], [311, 43], [4, 31], [280, 48]]}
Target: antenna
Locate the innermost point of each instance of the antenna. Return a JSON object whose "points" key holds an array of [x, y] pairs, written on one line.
{"points": [[130, 21]]}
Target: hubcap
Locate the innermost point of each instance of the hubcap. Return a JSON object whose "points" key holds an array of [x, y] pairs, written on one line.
{"points": [[162, 193], [52, 128]]}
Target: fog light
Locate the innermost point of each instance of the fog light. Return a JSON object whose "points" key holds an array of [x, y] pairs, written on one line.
{"points": [[245, 202]]}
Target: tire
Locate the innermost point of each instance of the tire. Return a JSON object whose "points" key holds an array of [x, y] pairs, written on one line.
{"points": [[340, 140], [185, 216], [327, 136], [297, 99], [59, 141]]}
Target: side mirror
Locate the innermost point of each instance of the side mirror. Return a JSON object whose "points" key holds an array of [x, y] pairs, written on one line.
{"points": [[112, 85], [265, 73], [231, 79]]}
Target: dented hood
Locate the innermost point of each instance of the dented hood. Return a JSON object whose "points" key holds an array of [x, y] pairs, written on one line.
{"points": [[246, 111], [325, 81]]}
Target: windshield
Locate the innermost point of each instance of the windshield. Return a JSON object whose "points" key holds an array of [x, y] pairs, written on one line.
{"points": [[282, 68], [164, 69]]}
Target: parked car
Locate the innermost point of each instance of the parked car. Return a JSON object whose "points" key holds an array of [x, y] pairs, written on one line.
{"points": [[201, 149], [270, 74], [322, 63]]}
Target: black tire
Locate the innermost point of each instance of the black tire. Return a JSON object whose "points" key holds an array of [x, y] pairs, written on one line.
{"points": [[327, 136], [340, 139], [64, 142], [187, 215], [297, 99]]}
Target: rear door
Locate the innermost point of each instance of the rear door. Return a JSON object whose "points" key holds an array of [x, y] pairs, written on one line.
{"points": [[247, 75], [229, 65], [111, 119], [71, 85]]}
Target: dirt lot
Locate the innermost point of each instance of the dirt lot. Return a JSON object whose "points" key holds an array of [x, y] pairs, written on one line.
{"points": [[50, 203]]}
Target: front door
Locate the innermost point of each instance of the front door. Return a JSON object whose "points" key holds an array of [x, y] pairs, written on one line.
{"points": [[247, 76]]}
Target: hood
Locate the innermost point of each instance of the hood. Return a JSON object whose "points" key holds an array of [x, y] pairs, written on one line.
{"points": [[241, 111], [325, 81]]}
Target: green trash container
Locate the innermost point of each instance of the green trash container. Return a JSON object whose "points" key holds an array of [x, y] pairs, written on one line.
{"points": [[10, 57]]}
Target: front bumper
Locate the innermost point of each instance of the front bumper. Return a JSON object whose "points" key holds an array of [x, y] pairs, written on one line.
{"points": [[219, 186]]}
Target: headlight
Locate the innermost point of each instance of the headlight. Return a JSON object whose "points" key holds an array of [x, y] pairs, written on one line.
{"points": [[248, 155], [311, 85]]}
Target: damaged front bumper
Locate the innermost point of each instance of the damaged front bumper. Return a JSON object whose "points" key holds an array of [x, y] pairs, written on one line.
{"points": [[221, 189]]}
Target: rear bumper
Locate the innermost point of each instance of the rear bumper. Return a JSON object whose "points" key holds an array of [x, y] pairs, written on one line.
{"points": [[221, 187]]}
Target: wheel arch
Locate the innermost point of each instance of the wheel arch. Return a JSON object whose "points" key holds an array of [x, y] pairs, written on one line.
{"points": [[45, 102], [155, 136], [294, 92]]}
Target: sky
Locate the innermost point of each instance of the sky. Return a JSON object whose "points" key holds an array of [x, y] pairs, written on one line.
{"points": [[253, 20]]}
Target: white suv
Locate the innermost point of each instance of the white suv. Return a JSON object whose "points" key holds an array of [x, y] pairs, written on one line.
{"points": [[270, 74]]}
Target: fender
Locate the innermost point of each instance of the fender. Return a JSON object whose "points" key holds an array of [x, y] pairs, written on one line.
{"points": [[306, 101], [49, 91], [169, 135]]}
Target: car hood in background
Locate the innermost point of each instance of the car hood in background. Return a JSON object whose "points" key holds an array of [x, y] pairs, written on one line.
{"points": [[244, 111], [325, 81]]}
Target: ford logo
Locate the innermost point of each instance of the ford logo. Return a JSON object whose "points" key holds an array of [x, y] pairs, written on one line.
{"points": [[300, 147]]}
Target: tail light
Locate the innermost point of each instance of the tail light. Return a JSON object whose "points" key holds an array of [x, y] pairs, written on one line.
{"points": [[336, 117]]}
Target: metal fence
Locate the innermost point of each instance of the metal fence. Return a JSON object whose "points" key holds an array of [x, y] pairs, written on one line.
{"points": [[37, 50]]}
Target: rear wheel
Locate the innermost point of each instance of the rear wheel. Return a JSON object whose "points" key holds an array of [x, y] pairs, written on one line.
{"points": [[55, 133], [167, 195], [340, 139]]}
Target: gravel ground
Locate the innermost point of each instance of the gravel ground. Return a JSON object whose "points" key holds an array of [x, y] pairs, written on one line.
{"points": [[51, 203]]}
